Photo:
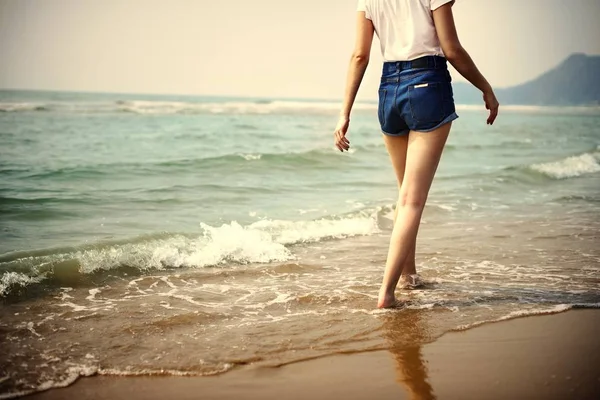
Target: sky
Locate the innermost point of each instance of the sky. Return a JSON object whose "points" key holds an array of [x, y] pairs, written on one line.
{"points": [[259, 48]]}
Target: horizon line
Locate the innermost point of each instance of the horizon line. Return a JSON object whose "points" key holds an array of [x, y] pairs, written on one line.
{"points": [[87, 91]]}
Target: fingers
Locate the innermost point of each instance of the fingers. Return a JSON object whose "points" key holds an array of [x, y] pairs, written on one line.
{"points": [[491, 104], [341, 142], [342, 145], [493, 115], [491, 118]]}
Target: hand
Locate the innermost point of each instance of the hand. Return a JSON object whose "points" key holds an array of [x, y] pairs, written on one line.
{"points": [[491, 103], [340, 134]]}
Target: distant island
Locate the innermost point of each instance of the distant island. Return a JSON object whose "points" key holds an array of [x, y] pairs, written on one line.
{"points": [[575, 82]]}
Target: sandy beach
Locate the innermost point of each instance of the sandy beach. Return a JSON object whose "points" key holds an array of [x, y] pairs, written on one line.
{"points": [[543, 357]]}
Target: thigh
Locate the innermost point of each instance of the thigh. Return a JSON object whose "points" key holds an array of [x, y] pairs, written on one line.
{"points": [[423, 155], [396, 147]]}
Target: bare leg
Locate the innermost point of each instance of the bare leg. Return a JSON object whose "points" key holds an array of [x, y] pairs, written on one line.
{"points": [[397, 148], [423, 154], [410, 266]]}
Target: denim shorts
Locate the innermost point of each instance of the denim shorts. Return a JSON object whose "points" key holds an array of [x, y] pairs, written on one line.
{"points": [[415, 95]]}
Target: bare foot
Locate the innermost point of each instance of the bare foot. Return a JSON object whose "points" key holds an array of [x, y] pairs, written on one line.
{"points": [[388, 301], [411, 282]]}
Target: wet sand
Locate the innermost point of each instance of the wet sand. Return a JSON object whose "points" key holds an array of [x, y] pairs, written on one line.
{"points": [[541, 357]]}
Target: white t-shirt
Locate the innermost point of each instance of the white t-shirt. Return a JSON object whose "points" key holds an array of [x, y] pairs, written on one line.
{"points": [[405, 27]]}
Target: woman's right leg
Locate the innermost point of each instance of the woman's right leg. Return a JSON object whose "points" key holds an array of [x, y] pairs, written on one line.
{"points": [[397, 147], [424, 150], [410, 265]]}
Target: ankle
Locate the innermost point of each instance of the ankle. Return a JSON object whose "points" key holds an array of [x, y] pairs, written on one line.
{"points": [[386, 291], [408, 272]]}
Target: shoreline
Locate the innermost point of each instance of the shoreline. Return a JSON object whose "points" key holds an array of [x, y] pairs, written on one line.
{"points": [[553, 356]]}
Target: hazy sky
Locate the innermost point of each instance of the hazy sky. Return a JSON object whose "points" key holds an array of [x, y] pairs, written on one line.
{"points": [[280, 48]]}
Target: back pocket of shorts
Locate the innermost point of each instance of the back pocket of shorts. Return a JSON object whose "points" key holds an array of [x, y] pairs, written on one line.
{"points": [[381, 107], [426, 102]]}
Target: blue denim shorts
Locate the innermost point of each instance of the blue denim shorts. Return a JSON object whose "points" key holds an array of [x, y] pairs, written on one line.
{"points": [[415, 95]]}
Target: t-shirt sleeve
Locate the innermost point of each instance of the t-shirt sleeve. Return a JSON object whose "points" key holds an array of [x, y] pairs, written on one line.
{"points": [[362, 6], [435, 4]]}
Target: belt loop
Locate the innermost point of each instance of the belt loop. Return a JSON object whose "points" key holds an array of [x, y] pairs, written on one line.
{"points": [[434, 62]]}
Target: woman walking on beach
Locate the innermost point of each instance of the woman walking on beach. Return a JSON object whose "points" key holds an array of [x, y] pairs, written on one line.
{"points": [[416, 108]]}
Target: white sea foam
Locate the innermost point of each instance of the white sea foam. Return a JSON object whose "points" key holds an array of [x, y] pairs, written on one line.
{"points": [[70, 376], [445, 207], [93, 293], [237, 107], [288, 232], [185, 107], [246, 107], [570, 167], [251, 157], [20, 107], [519, 314], [228, 243], [162, 372], [261, 242], [11, 279]]}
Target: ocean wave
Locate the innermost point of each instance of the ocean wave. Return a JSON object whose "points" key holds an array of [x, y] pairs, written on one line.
{"points": [[286, 159], [534, 109], [251, 157], [559, 308], [153, 107], [22, 107], [69, 377], [313, 158], [74, 372], [570, 167], [577, 198], [13, 280], [242, 106], [230, 244], [525, 143]]}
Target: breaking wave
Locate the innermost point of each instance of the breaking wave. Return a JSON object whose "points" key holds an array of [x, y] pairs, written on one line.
{"points": [[261, 242], [570, 167]]}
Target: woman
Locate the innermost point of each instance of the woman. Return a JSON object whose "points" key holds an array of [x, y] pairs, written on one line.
{"points": [[416, 108]]}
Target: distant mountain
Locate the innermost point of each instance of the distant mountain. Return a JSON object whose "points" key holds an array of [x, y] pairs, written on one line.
{"points": [[576, 81]]}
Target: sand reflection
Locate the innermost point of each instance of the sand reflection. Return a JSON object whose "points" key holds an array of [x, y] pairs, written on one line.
{"points": [[405, 332]]}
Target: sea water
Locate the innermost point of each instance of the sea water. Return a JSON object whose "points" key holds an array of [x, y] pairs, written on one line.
{"points": [[168, 235]]}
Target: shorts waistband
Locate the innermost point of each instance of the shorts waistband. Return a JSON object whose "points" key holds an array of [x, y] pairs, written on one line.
{"points": [[428, 62]]}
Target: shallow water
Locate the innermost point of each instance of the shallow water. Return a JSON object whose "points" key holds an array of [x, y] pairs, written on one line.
{"points": [[189, 236]]}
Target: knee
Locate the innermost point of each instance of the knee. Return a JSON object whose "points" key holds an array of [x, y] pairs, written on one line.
{"points": [[412, 200]]}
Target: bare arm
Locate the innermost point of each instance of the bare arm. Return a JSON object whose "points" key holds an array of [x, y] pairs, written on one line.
{"points": [[358, 62], [356, 71], [460, 59]]}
